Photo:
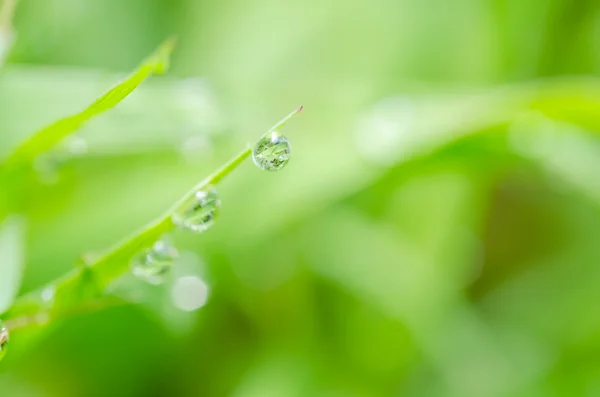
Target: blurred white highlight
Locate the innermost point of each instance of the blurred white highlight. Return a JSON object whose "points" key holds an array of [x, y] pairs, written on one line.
{"points": [[77, 146], [6, 41], [383, 132], [48, 294], [189, 293]]}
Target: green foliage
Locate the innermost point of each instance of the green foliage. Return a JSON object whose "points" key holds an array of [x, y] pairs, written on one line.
{"points": [[49, 136], [91, 278], [433, 234]]}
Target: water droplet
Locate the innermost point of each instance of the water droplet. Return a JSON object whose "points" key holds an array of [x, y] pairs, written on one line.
{"points": [[272, 152], [3, 340], [189, 293], [200, 211], [151, 264]]}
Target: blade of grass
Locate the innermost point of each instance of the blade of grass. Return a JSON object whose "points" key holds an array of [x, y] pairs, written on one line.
{"points": [[49, 136], [15, 170], [89, 281]]}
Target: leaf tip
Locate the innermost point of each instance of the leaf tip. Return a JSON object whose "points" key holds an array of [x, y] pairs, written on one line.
{"points": [[163, 53]]}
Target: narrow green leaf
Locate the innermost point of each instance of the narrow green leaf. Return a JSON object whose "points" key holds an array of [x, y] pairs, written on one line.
{"points": [[49, 136], [115, 262], [104, 269]]}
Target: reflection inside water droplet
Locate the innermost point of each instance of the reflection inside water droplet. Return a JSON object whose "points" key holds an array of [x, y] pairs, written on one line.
{"points": [[3, 340], [199, 212], [151, 264], [272, 152]]}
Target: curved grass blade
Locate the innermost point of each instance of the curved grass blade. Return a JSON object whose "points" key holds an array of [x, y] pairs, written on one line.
{"points": [[49, 136], [88, 282]]}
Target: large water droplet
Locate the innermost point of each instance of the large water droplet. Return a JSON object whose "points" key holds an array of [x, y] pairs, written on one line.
{"points": [[151, 264], [272, 152], [200, 211], [3, 340]]}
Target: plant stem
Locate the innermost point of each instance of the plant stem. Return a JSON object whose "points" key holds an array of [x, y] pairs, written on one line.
{"points": [[89, 281]]}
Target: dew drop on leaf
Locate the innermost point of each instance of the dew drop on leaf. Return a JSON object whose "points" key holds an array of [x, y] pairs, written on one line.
{"points": [[151, 264], [199, 212], [3, 340], [272, 152]]}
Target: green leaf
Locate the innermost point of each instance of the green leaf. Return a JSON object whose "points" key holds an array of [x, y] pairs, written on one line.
{"points": [[49, 136], [11, 262], [89, 281]]}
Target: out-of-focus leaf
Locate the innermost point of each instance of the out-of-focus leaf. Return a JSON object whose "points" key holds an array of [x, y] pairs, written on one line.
{"points": [[48, 136], [421, 284], [11, 259]]}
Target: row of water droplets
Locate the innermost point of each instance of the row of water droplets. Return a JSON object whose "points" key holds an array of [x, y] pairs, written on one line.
{"points": [[197, 214], [200, 210]]}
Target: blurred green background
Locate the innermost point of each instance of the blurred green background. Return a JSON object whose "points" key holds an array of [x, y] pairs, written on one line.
{"points": [[435, 233]]}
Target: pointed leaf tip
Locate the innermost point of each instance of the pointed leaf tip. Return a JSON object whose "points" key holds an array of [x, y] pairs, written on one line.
{"points": [[162, 55]]}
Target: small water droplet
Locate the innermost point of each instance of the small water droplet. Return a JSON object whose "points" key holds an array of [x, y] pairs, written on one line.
{"points": [[151, 264], [200, 211], [272, 152], [3, 340]]}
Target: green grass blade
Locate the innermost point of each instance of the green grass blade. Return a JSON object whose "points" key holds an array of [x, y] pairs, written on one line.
{"points": [[89, 281], [49, 136]]}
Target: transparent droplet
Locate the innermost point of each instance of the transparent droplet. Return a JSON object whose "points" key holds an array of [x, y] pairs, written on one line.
{"points": [[189, 293], [151, 264], [199, 212], [272, 153], [3, 340]]}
